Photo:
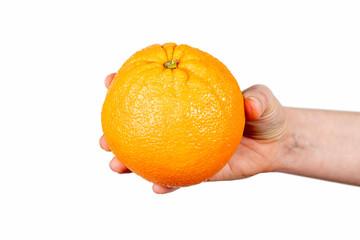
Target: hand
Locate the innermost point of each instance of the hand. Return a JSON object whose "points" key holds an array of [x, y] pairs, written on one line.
{"points": [[261, 147]]}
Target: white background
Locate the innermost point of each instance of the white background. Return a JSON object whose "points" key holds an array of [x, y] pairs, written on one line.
{"points": [[55, 182]]}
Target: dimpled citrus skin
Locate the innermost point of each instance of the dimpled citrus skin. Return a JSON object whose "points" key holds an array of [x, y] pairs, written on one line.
{"points": [[174, 127]]}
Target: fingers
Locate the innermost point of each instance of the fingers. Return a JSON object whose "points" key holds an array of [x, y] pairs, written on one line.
{"points": [[117, 166], [162, 189], [103, 144], [109, 79]]}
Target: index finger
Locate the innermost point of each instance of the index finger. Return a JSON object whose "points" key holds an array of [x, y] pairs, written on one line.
{"points": [[109, 79]]}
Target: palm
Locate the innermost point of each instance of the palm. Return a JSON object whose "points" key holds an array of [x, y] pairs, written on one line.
{"points": [[250, 158]]}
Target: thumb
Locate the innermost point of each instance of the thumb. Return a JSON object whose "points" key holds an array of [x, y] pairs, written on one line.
{"points": [[258, 99], [265, 117]]}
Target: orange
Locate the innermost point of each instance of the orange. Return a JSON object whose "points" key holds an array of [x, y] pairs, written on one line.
{"points": [[173, 115]]}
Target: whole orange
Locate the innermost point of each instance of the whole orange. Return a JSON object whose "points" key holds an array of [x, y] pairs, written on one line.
{"points": [[173, 115]]}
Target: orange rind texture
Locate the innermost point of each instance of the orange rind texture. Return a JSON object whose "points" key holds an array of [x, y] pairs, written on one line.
{"points": [[173, 127]]}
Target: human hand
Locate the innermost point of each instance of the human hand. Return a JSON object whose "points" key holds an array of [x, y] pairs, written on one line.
{"points": [[260, 149]]}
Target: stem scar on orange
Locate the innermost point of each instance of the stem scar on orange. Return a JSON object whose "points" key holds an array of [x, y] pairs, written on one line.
{"points": [[173, 115]]}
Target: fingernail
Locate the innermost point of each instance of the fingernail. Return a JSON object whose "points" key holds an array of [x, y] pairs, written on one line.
{"points": [[257, 102]]}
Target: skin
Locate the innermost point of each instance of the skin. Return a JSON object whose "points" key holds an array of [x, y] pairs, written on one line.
{"points": [[313, 143]]}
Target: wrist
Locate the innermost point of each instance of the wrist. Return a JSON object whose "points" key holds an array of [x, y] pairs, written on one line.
{"points": [[315, 146], [293, 145]]}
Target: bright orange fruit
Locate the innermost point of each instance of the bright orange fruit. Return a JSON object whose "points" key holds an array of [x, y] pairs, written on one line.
{"points": [[173, 115]]}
